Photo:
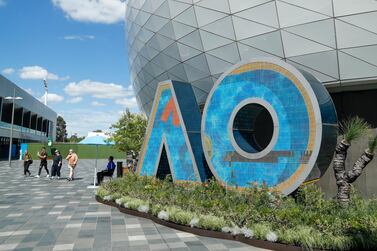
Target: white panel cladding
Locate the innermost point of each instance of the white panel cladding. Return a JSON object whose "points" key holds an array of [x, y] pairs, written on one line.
{"points": [[196, 41]]}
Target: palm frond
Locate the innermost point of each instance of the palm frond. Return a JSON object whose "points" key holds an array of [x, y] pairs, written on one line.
{"points": [[353, 128]]}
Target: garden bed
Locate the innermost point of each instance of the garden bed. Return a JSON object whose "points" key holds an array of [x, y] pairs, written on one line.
{"points": [[255, 216], [204, 232]]}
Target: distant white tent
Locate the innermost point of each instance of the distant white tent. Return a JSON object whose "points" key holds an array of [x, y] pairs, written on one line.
{"points": [[97, 141]]}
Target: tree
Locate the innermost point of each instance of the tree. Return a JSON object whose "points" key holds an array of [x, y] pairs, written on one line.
{"points": [[129, 132], [74, 138], [60, 129], [98, 130], [351, 129]]}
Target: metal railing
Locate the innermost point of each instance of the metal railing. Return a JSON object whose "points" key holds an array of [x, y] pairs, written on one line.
{"points": [[22, 129]]}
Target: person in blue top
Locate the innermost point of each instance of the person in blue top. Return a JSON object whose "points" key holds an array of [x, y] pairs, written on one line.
{"points": [[107, 172]]}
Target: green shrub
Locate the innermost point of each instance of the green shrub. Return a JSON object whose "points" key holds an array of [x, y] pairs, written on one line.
{"points": [[135, 203], [125, 199], [102, 192], [115, 196], [211, 222], [303, 236], [311, 198], [306, 220], [337, 242], [179, 216], [260, 230], [156, 208]]}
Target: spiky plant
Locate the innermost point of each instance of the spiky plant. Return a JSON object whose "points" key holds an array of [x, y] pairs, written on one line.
{"points": [[372, 144], [353, 128]]}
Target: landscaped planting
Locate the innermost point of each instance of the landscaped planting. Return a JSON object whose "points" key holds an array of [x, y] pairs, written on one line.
{"points": [[306, 220]]}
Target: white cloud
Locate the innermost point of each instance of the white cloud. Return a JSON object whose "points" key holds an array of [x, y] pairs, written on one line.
{"points": [[52, 98], [74, 100], [127, 102], [7, 71], [96, 103], [93, 11], [52, 76], [3, 3], [79, 37], [97, 90], [82, 121], [33, 72], [64, 78], [38, 72]]}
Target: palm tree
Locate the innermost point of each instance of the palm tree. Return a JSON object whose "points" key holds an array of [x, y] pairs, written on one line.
{"points": [[352, 129]]}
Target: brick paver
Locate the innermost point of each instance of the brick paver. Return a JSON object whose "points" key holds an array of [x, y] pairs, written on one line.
{"points": [[43, 214]]}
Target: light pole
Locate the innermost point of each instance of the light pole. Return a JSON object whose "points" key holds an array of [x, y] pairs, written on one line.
{"points": [[46, 89], [14, 98]]}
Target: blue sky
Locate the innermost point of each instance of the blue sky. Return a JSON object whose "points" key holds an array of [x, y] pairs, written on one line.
{"points": [[80, 46]]}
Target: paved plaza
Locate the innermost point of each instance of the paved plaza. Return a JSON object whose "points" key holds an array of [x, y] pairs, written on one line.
{"points": [[43, 214]]}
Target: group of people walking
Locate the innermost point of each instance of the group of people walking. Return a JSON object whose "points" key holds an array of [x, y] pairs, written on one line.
{"points": [[57, 162]]}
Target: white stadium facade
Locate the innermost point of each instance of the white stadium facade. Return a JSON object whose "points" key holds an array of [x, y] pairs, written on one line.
{"points": [[195, 41]]}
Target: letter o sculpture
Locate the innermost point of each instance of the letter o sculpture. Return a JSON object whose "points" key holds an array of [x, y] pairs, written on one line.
{"points": [[291, 107]]}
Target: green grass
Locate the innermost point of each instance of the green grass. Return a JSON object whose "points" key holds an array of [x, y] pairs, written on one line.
{"points": [[83, 151]]}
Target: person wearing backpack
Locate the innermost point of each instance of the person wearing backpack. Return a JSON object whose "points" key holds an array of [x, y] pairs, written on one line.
{"points": [[27, 162]]}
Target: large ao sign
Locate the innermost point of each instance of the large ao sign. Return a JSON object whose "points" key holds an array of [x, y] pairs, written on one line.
{"points": [[263, 122]]}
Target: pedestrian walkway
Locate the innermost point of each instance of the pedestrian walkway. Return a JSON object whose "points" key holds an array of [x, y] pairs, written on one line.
{"points": [[43, 214]]}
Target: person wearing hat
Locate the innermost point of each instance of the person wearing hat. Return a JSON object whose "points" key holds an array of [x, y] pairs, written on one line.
{"points": [[72, 162], [56, 165]]}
